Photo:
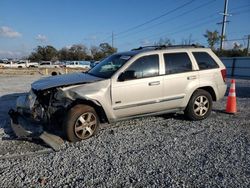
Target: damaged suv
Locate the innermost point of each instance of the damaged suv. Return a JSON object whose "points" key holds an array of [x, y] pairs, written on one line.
{"points": [[145, 81]]}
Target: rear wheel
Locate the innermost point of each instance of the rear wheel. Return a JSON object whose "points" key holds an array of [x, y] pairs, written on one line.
{"points": [[81, 123], [199, 106]]}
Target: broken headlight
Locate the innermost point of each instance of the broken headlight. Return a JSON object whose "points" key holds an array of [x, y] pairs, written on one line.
{"points": [[30, 99]]}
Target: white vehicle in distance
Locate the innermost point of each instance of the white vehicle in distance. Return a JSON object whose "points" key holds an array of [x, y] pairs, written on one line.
{"points": [[26, 64], [10, 64], [78, 64], [48, 64]]}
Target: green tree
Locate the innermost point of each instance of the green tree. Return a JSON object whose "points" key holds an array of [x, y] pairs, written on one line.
{"points": [[106, 49], [164, 41], [213, 38], [78, 52], [102, 51], [44, 53], [96, 53], [63, 54]]}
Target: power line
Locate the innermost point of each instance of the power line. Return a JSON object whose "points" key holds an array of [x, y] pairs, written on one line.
{"points": [[243, 6], [150, 21], [188, 24], [191, 27], [240, 12], [180, 29], [170, 19], [235, 39], [156, 18]]}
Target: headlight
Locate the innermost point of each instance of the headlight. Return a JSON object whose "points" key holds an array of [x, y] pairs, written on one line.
{"points": [[31, 99], [26, 101]]}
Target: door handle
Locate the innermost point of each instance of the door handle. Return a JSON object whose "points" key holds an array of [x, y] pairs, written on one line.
{"points": [[192, 77], [154, 83]]}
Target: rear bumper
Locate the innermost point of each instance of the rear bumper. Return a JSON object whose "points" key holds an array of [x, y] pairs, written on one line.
{"points": [[221, 91]]}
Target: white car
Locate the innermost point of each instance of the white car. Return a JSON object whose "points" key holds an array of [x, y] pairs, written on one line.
{"points": [[79, 64], [11, 64], [26, 64], [48, 64]]}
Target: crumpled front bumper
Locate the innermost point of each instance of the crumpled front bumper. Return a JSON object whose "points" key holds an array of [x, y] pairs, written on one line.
{"points": [[24, 128]]}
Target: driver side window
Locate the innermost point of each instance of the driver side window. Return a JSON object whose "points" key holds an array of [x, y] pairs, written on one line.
{"points": [[144, 67]]}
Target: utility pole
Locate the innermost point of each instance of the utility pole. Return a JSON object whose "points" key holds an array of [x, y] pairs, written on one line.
{"points": [[248, 41], [112, 39], [223, 28]]}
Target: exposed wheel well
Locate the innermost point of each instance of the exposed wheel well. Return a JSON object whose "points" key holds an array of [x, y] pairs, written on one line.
{"points": [[209, 90], [99, 110]]}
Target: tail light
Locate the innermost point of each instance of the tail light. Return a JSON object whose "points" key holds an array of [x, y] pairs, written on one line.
{"points": [[224, 74]]}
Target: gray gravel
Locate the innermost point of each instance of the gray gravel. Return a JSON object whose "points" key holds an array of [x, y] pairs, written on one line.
{"points": [[160, 151]]}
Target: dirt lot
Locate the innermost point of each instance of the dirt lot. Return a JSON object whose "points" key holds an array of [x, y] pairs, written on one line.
{"points": [[38, 71], [155, 151]]}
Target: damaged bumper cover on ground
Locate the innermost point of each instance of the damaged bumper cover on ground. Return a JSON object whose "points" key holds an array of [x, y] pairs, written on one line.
{"points": [[25, 127]]}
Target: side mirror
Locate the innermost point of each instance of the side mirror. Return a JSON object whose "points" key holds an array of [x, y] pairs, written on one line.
{"points": [[127, 75]]}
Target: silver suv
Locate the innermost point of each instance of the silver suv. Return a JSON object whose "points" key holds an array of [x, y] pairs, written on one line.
{"points": [[145, 81]]}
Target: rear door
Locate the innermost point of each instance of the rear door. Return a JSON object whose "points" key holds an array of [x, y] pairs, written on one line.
{"points": [[180, 80], [210, 72], [140, 93]]}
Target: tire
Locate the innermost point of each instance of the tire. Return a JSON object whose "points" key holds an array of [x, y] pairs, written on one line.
{"points": [[81, 123], [199, 106]]}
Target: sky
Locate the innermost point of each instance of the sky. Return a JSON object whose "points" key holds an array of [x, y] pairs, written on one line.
{"points": [[25, 24]]}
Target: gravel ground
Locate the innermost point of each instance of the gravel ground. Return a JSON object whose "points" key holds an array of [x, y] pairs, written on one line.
{"points": [[160, 151]]}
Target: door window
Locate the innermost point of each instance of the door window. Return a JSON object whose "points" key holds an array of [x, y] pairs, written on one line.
{"points": [[177, 63], [144, 67], [204, 60]]}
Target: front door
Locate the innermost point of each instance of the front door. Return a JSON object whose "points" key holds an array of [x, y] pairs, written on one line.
{"points": [[141, 89]]}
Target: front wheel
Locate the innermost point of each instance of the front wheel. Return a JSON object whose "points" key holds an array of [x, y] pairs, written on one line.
{"points": [[81, 123], [199, 106]]}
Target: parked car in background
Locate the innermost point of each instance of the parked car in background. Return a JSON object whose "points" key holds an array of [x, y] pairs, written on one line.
{"points": [[18, 64], [26, 64], [48, 64], [11, 64], [78, 64], [21, 64], [1, 64], [32, 65]]}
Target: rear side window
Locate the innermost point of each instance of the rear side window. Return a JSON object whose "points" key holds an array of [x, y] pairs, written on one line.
{"points": [[205, 61], [146, 66], [177, 63]]}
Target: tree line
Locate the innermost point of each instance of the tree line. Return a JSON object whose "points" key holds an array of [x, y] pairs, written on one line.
{"points": [[81, 52], [213, 38], [76, 52]]}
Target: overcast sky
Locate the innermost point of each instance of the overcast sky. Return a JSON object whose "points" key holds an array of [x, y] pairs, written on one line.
{"points": [[24, 24]]}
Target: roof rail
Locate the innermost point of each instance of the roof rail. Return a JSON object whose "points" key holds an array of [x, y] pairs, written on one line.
{"points": [[153, 46], [158, 47]]}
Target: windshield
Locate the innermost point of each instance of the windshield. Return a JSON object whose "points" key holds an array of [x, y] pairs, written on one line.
{"points": [[107, 67]]}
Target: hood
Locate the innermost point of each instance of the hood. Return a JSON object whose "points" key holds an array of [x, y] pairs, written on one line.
{"points": [[63, 80]]}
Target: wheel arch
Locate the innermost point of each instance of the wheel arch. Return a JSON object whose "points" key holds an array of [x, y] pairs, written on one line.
{"points": [[210, 90], [94, 104]]}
